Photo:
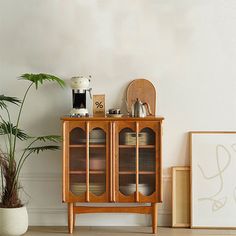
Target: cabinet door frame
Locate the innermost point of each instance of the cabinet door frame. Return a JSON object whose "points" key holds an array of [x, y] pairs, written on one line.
{"points": [[137, 126], [105, 126], [86, 126], [156, 196], [68, 196], [118, 126]]}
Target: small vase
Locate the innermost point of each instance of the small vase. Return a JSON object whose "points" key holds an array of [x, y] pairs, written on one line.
{"points": [[13, 221]]}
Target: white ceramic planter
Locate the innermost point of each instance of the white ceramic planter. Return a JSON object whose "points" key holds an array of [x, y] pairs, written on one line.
{"points": [[13, 221]]}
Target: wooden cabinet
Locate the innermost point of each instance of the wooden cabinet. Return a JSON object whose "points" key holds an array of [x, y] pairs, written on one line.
{"points": [[112, 160]]}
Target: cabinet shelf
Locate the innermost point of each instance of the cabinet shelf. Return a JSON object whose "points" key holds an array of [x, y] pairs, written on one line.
{"points": [[80, 172], [90, 145], [134, 146], [140, 172]]}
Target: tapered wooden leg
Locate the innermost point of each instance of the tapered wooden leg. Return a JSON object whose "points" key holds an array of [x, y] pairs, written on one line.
{"points": [[70, 217], [74, 218], [154, 218]]}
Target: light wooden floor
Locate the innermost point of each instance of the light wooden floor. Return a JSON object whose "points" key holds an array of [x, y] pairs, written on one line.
{"points": [[123, 231]]}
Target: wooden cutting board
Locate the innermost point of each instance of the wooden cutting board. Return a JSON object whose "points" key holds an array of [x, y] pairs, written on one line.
{"points": [[144, 90]]}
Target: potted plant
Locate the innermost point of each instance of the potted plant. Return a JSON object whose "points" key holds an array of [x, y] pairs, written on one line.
{"points": [[13, 213]]}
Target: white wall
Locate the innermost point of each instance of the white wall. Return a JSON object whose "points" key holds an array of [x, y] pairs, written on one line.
{"points": [[187, 48]]}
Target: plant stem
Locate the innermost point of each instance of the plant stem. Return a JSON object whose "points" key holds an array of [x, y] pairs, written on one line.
{"points": [[22, 157], [20, 167], [18, 120], [2, 157], [10, 136], [2, 182], [12, 158], [4, 136]]}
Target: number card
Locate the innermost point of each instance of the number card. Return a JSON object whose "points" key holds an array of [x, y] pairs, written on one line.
{"points": [[99, 105]]}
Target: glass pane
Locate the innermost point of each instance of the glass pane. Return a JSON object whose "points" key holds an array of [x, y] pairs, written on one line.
{"points": [[147, 137], [127, 159], [147, 163], [97, 161], [77, 136], [97, 184], [77, 159], [127, 184], [127, 137], [97, 136], [147, 159], [127, 162], [147, 184], [127, 154], [78, 184], [147, 154]]}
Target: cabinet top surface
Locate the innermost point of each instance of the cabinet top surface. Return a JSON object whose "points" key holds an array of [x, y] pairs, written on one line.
{"points": [[123, 118]]}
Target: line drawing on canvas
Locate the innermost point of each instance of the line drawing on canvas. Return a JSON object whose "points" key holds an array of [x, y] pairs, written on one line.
{"points": [[217, 203]]}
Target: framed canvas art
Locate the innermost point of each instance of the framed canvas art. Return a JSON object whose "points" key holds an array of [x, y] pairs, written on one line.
{"points": [[213, 179], [181, 196]]}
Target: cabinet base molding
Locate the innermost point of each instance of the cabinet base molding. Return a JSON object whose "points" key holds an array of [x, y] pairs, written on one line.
{"points": [[73, 210]]}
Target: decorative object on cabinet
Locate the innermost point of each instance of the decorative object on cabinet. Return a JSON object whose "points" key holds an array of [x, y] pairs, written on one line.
{"points": [[13, 213], [115, 115], [181, 196], [213, 187], [80, 85], [144, 90], [114, 112], [124, 173], [140, 109], [99, 105]]}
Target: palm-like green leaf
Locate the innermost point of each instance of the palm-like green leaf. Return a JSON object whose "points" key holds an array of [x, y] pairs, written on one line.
{"points": [[4, 99], [41, 78], [42, 148], [52, 138], [9, 169], [9, 128]]}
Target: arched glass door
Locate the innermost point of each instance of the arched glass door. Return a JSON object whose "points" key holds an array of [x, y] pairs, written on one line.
{"points": [[127, 162], [97, 161], [147, 161], [88, 157], [137, 161], [77, 161]]}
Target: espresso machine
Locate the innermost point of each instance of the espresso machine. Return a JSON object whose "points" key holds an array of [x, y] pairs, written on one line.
{"points": [[80, 86]]}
